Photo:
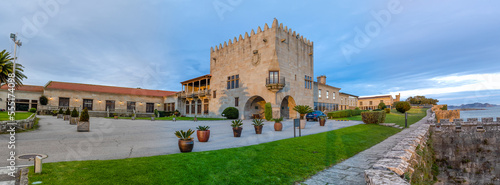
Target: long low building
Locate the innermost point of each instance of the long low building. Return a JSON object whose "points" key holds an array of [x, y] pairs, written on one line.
{"points": [[371, 102], [98, 99]]}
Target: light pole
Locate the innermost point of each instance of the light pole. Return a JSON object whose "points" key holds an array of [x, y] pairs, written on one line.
{"points": [[17, 43]]}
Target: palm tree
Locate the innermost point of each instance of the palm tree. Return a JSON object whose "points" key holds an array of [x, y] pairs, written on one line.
{"points": [[303, 110], [6, 64]]}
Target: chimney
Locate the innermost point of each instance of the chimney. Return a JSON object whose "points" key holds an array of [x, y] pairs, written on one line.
{"points": [[322, 79]]}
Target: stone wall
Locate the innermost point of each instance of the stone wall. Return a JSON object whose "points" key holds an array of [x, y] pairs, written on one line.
{"points": [[25, 124], [468, 152]]}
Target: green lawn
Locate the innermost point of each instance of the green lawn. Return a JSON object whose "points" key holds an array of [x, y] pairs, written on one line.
{"points": [[4, 116], [279, 162], [171, 118], [414, 115]]}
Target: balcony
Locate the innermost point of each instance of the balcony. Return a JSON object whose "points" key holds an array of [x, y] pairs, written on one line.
{"points": [[275, 84], [195, 94]]}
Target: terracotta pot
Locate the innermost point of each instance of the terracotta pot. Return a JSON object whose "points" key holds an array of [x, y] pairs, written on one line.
{"points": [[322, 122], [83, 126], [133, 118], [237, 131], [116, 117], [73, 120], [258, 129], [278, 126], [302, 124], [203, 136], [186, 145]]}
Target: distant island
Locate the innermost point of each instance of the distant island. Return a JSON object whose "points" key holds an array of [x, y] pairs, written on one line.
{"points": [[472, 106]]}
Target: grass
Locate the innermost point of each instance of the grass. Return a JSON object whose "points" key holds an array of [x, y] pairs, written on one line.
{"points": [[4, 116], [278, 162], [414, 115], [171, 118]]}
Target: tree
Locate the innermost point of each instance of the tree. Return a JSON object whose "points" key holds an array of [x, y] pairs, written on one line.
{"points": [[84, 117], [43, 100], [230, 113], [6, 65], [403, 106], [74, 113], [268, 112], [420, 100], [381, 105]]}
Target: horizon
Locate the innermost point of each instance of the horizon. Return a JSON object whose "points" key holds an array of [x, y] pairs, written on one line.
{"points": [[450, 50]]}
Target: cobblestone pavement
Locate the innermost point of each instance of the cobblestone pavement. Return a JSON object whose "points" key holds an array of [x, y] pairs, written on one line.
{"points": [[5, 179], [352, 170]]}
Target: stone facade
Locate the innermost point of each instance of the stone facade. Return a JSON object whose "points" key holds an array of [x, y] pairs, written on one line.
{"points": [[371, 102], [28, 99]]}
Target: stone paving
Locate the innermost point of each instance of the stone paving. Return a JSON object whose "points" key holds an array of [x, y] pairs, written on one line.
{"points": [[5, 179], [352, 170]]}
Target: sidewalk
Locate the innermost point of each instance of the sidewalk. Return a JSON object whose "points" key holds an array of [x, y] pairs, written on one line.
{"points": [[352, 170]]}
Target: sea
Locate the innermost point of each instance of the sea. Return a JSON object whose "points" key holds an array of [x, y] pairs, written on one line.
{"points": [[487, 112]]}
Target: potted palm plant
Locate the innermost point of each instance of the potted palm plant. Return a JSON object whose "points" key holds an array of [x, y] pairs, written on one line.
{"points": [[278, 126], [237, 127], [74, 117], [60, 114], [84, 124], [203, 133], [67, 114], [302, 110], [258, 124], [186, 143], [322, 120], [54, 113], [115, 115]]}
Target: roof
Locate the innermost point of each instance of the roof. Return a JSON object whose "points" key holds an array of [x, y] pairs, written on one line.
{"points": [[327, 85], [106, 89], [377, 96], [197, 78], [31, 88], [348, 94]]}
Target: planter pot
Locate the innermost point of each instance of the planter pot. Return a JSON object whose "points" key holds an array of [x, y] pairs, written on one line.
{"points": [[237, 131], [152, 118], [258, 129], [278, 126], [186, 145], [73, 120], [116, 117], [66, 117], [322, 122], [60, 116], [83, 126], [302, 124], [203, 136], [133, 118], [54, 114]]}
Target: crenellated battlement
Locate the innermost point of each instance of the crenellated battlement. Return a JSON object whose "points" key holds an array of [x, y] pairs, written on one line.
{"points": [[275, 28], [469, 125]]}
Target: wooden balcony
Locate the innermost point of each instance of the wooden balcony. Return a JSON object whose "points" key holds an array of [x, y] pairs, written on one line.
{"points": [[275, 85], [195, 94]]}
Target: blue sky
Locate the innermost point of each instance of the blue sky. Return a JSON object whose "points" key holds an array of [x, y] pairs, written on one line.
{"points": [[446, 49]]}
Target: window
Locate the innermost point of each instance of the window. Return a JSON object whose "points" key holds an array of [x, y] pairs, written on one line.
{"points": [[215, 94], [87, 103], [205, 106], [327, 94], [34, 103], [274, 77], [319, 93], [371, 103], [333, 95], [170, 107], [187, 107], [199, 107], [63, 102], [308, 82], [236, 101], [361, 103], [110, 105], [233, 82], [150, 107], [192, 107], [130, 106]]}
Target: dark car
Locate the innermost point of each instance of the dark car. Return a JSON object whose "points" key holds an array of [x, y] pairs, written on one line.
{"points": [[314, 115]]}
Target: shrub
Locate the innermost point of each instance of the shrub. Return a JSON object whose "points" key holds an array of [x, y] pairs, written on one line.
{"points": [[162, 113], [381, 105], [236, 123], [268, 112], [43, 100], [373, 117], [344, 113], [156, 113], [231, 113], [68, 112], [445, 107], [74, 113], [32, 110], [85, 115], [403, 106], [60, 111], [357, 108], [387, 110]]}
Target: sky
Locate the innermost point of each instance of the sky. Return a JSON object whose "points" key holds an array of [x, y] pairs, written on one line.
{"points": [[449, 50]]}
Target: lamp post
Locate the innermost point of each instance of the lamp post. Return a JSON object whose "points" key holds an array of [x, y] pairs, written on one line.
{"points": [[17, 43]]}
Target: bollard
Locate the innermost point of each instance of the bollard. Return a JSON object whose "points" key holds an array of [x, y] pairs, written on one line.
{"points": [[406, 119], [38, 164]]}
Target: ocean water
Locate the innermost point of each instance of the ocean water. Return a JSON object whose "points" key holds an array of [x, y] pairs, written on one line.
{"points": [[488, 112]]}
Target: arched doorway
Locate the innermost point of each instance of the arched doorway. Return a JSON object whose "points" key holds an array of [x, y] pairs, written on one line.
{"points": [[286, 108], [254, 106]]}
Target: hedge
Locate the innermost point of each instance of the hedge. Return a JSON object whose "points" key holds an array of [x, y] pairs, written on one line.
{"points": [[387, 110], [373, 117], [344, 113], [231, 113]]}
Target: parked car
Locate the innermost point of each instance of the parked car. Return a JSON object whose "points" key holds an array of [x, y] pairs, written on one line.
{"points": [[314, 115]]}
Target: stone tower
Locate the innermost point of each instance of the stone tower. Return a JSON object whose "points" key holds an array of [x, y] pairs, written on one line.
{"points": [[271, 65]]}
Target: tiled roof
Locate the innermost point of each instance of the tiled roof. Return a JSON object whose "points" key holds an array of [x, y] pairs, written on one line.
{"points": [[106, 89], [197, 78], [370, 97], [32, 88]]}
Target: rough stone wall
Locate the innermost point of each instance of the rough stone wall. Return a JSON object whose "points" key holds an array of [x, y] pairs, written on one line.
{"points": [[468, 152], [20, 95], [251, 57], [450, 115], [399, 160]]}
